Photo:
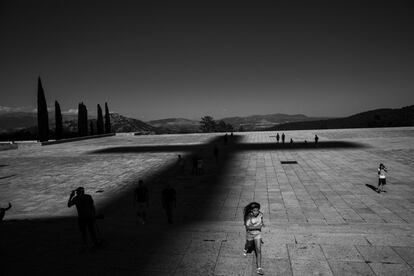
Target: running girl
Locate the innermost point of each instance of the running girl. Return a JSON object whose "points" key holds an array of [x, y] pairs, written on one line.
{"points": [[253, 221]]}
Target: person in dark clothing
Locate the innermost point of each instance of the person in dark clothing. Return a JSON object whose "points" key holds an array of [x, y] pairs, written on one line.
{"points": [[277, 138], [86, 215], [225, 139], [200, 166], [283, 138], [316, 139], [180, 164], [3, 211], [169, 202], [141, 198]]}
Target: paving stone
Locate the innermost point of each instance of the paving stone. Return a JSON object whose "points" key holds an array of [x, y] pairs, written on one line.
{"points": [[193, 264], [340, 252], [305, 252], [276, 266], [407, 253], [310, 267], [382, 269], [379, 254], [350, 268], [233, 266]]}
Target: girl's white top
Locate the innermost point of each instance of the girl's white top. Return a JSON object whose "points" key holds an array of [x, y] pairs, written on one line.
{"points": [[381, 173]]}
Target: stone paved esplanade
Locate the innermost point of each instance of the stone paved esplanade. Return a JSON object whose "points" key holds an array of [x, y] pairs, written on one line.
{"points": [[321, 218]]}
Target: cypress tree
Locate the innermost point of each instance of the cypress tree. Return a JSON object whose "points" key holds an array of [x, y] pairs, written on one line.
{"points": [[80, 119], [107, 120], [85, 120], [42, 115], [99, 122], [58, 122]]}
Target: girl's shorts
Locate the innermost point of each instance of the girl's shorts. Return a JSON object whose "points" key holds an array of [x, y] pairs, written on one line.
{"points": [[253, 235]]}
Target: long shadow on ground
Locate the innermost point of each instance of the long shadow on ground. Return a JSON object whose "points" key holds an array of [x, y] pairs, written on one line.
{"points": [[235, 147], [50, 246]]}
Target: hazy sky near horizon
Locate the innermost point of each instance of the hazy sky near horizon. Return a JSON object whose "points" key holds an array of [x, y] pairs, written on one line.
{"points": [[163, 59]]}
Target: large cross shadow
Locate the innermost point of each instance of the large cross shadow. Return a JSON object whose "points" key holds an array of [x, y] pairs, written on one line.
{"points": [[50, 245]]}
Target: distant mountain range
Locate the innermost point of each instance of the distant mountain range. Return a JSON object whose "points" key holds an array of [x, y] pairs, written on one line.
{"points": [[11, 121], [385, 117], [176, 125], [261, 122], [249, 123], [15, 121]]}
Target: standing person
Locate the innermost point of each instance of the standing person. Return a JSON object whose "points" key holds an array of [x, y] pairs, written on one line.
{"points": [[169, 202], [316, 139], [3, 211], [291, 140], [277, 138], [253, 222], [200, 167], [141, 198], [283, 138], [180, 163], [225, 139], [86, 215], [381, 178]]}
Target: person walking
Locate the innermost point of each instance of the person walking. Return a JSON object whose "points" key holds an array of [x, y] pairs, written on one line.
{"points": [[169, 202], [141, 199], [86, 215], [277, 138], [316, 139], [200, 166], [3, 211], [180, 164], [382, 170], [253, 222], [283, 138]]}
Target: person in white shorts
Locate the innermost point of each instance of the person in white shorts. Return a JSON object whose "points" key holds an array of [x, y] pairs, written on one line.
{"points": [[381, 178]]}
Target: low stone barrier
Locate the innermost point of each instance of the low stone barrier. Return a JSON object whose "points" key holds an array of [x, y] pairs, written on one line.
{"points": [[7, 146], [76, 139]]}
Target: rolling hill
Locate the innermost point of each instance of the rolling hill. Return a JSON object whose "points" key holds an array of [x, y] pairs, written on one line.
{"points": [[176, 125], [260, 122], [384, 117]]}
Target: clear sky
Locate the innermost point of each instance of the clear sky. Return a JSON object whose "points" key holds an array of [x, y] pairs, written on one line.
{"points": [[220, 58]]}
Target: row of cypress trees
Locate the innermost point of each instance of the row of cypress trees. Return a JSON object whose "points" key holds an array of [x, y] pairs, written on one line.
{"points": [[43, 118]]}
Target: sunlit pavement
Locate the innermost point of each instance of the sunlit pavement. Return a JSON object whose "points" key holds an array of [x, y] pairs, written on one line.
{"points": [[320, 216]]}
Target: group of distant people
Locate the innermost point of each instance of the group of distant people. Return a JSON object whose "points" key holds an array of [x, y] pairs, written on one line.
{"points": [[283, 138], [87, 214], [141, 200]]}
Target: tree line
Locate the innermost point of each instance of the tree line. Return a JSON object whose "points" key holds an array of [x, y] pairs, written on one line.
{"points": [[85, 126], [208, 124]]}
